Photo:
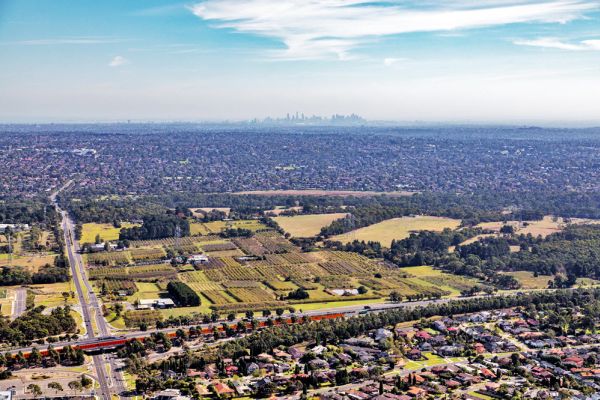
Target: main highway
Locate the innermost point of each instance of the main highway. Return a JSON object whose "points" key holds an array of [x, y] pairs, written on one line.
{"points": [[90, 307]]}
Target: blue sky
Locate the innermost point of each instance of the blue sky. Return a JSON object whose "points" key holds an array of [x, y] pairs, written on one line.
{"points": [[507, 61]]}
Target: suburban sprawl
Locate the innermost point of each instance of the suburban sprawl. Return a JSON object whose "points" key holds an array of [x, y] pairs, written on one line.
{"points": [[190, 261]]}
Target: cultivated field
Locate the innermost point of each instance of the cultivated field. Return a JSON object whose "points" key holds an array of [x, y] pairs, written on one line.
{"points": [[307, 225], [397, 228], [261, 271]]}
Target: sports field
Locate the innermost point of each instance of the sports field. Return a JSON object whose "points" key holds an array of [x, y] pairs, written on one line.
{"points": [[397, 228], [306, 225]]}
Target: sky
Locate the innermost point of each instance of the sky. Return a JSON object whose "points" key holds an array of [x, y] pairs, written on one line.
{"points": [[464, 61]]}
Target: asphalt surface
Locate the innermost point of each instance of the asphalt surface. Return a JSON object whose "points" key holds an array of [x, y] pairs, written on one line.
{"points": [[87, 308], [20, 302]]}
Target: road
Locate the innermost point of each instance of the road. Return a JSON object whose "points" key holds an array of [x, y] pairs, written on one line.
{"points": [[89, 304], [20, 302], [346, 310]]}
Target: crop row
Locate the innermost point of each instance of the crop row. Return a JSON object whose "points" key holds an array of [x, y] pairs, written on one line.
{"points": [[216, 297], [250, 295]]}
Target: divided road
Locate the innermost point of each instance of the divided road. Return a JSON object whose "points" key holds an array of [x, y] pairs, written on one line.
{"points": [[20, 302], [89, 305]]}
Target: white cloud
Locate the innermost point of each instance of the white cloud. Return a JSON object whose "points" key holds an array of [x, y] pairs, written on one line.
{"points": [[554, 43], [118, 61], [389, 61], [325, 28]]}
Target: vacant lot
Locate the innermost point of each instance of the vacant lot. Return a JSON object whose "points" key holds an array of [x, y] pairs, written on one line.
{"points": [[51, 294], [106, 232], [306, 225], [31, 262], [397, 228]]}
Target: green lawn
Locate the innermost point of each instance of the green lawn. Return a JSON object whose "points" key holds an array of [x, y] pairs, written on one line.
{"points": [[146, 290]]}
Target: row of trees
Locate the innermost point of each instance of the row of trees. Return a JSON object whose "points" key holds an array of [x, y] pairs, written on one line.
{"points": [[340, 329], [182, 294], [157, 227]]}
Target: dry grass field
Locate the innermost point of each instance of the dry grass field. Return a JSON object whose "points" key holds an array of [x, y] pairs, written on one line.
{"points": [[528, 281], [547, 226], [31, 262], [280, 209], [307, 225], [398, 228], [106, 232]]}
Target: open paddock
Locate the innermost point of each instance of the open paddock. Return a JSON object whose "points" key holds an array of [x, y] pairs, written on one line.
{"points": [[108, 232], [544, 227], [529, 281], [397, 228]]}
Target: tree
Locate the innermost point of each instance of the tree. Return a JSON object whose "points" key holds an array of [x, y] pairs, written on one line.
{"points": [[35, 357], [56, 386], [395, 297], [75, 386], [86, 381], [118, 307], [362, 290], [35, 390]]}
